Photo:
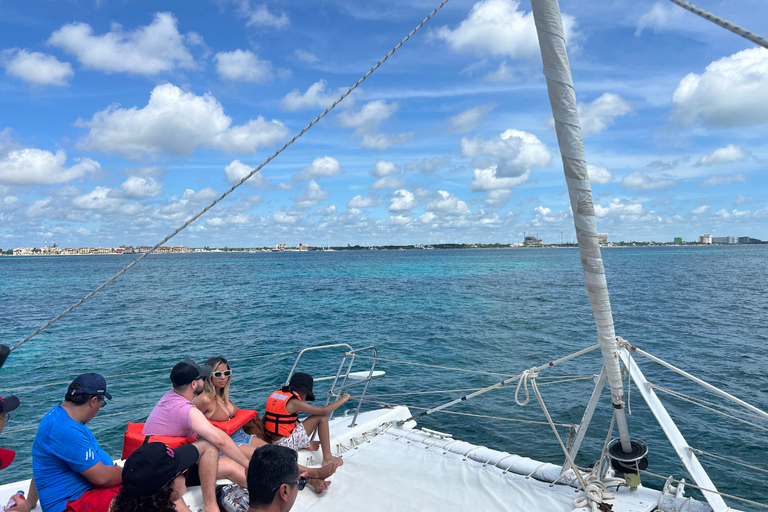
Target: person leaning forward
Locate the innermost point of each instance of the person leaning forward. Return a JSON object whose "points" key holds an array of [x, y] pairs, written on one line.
{"points": [[70, 470]]}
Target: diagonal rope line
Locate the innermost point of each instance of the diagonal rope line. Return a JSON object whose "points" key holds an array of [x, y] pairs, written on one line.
{"points": [[236, 185], [734, 461], [689, 484], [746, 34]]}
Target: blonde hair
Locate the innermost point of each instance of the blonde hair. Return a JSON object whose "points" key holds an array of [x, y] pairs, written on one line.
{"points": [[209, 389]]}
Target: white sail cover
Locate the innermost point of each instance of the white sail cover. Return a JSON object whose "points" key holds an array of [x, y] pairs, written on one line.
{"points": [[563, 101]]}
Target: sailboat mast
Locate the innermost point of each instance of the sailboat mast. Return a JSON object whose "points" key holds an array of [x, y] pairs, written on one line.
{"points": [[562, 97]]}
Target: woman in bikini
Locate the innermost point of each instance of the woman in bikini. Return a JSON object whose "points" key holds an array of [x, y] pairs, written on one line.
{"points": [[215, 404]]}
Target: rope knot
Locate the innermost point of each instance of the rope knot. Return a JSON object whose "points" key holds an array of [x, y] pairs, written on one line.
{"points": [[527, 374]]}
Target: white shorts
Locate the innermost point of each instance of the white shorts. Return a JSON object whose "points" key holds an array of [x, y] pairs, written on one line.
{"points": [[296, 441]]}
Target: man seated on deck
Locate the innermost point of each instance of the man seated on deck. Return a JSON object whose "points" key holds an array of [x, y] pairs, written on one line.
{"points": [[70, 470], [175, 415], [274, 479]]}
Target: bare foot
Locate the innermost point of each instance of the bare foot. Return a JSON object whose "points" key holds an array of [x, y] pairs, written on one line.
{"points": [[322, 472], [333, 460], [314, 446], [319, 485]]}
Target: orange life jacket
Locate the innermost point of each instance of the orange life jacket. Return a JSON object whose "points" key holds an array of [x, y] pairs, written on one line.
{"points": [[240, 418], [133, 438], [277, 420]]}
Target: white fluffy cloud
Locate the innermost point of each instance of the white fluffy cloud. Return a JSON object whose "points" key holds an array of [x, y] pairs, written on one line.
{"points": [[497, 27], [316, 97], [428, 165], [599, 174], [724, 180], [660, 16], [404, 200], [305, 56], [384, 168], [618, 209], [148, 50], [261, 16], [100, 198], [360, 202], [136, 187], [512, 154], [732, 91], [366, 122], [469, 119], [447, 204], [701, 209], [312, 195], [388, 182], [321, 167], [243, 66], [175, 122], [30, 166], [721, 156], [640, 181], [601, 113], [236, 170], [36, 68], [484, 180]]}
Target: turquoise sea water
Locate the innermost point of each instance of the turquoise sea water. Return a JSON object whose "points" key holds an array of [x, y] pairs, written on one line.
{"points": [[502, 311]]}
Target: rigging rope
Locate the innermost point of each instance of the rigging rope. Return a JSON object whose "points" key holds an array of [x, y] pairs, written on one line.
{"points": [[236, 185], [688, 484], [746, 34]]}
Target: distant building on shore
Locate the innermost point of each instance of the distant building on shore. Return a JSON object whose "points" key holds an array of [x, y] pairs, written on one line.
{"points": [[725, 240], [705, 239], [678, 240], [532, 241]]}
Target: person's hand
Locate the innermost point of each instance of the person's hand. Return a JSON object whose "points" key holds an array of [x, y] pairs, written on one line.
{"points": [[345, 397], [22, 505]]}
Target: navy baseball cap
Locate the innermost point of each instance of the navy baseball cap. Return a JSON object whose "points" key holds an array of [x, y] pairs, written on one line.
{"points": [[89, 384], [187, 371]]}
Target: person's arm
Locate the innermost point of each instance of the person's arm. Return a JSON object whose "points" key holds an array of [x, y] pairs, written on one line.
{"points": [[216, 437], [295, 405], [103, 476]]}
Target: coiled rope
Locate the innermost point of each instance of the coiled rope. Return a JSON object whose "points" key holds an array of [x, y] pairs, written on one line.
{"points": [[235, 186]]}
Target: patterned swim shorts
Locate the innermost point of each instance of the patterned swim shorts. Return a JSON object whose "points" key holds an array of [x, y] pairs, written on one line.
{"points": [[296, 441]]}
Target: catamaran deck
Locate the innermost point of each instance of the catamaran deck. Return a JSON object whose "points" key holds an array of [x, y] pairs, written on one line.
{"points": [[387, 467]]}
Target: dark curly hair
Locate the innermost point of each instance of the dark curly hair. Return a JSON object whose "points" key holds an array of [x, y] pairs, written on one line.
{"points": [[159, 501]]}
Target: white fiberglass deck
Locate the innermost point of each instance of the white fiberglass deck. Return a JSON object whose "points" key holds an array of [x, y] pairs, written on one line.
{"points": [[405, 469]]}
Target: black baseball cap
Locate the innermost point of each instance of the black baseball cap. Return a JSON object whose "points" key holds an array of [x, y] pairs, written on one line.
{"points": [[152, 465], [301, 382], [89, 384], [8, 404], [187, 371]]}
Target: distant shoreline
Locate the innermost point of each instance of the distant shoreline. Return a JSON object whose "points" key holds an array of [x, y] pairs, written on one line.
{"points": [[39, 253]]}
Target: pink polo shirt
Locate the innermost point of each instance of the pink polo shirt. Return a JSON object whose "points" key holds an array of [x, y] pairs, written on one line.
{"points": [[170, 417]]}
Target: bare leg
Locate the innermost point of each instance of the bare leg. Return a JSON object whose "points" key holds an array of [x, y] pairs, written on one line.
{"points": [[319, 485], [206, 468], [232, 470], [324, 433]]}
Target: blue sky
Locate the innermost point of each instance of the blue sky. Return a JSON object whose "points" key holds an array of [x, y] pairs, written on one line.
{"points": [[120, 119]]}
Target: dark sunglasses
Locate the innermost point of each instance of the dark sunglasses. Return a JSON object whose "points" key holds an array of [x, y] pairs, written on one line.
{"points": [[302, 482], [225, 373], [103, 401], [183, 473]]}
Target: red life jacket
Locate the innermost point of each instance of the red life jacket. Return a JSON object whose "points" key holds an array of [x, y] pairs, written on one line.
{"points": [[240, 418], [278, 421], [133, 438]]}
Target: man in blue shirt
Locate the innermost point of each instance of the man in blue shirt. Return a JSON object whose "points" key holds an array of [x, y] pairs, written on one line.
{"points": [[71, 472]]}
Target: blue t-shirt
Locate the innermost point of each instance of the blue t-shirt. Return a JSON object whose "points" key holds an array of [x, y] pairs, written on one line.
{"points": [[63, 448]]}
